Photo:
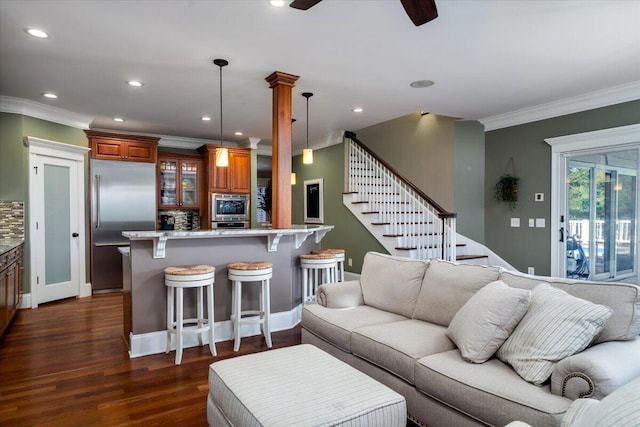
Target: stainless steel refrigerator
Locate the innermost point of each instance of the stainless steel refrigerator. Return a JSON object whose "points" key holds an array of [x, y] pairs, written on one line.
{"points": [[123, 198]]}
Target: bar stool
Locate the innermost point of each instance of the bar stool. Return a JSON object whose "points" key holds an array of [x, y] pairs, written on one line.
{"points": [[176, 279], [339, 254], [316, 267], [240, 272]]}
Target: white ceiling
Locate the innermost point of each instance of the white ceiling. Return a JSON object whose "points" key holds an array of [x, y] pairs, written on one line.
{"points": [[487, 58]]}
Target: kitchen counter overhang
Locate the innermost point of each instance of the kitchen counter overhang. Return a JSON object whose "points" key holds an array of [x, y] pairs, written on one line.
{"points": [[273, 236]]}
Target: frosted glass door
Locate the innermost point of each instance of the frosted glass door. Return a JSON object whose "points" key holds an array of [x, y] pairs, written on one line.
{"points": [[58, 228], [57, 224]]}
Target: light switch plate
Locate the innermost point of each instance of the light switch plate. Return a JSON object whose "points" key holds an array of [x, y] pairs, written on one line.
{"points": [[540, 223], [532, 222], [515, 222], [531, 270]]}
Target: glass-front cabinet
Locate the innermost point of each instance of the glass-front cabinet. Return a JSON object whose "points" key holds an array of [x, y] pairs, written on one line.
{"points": [[179, 182]]}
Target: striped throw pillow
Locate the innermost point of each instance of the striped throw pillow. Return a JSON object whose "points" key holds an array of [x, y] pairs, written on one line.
{"points": [[556, 326]]}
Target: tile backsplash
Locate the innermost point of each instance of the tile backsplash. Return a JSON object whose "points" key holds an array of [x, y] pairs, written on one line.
{"points": [[11, 220]]}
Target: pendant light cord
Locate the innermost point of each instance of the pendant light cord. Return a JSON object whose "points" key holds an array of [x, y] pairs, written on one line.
{"points": [[221, 63], [221, 143], [307, 95]]}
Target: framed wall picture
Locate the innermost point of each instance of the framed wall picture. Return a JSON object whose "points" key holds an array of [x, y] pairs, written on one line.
{"points": [[313, 201]]}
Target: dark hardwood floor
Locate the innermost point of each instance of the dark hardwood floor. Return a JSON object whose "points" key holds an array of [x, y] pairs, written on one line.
{"points": [[66, 364]]}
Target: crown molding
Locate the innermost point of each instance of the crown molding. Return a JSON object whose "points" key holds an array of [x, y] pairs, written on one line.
{"points": [[172, 141], [9, 104], [575, 104], [596, 139]]}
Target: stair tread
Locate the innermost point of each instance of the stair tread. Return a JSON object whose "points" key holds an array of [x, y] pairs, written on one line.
{"points": [[412, 235], [380, 223], [349, 192], [463, 257], [370, 212], [409, 248]]}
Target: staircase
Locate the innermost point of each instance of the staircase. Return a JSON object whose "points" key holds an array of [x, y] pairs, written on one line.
{"points": [[400, 216]]}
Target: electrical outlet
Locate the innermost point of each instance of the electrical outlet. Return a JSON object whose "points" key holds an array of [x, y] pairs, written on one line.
{"points": [[539, 197], [531, 270], [350, 262]]}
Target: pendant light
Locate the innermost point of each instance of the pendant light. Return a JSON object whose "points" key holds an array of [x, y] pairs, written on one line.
{"points": [[222, 154], [307, 153]]}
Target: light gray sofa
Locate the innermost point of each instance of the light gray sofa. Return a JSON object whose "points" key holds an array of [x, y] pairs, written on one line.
{"points": [[392, 323]]}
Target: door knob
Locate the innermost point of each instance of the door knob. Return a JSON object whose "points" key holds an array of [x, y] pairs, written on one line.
{"points": [[74, 235]]}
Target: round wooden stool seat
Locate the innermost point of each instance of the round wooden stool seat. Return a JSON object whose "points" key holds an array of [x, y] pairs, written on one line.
{"points": [[319, 256], [256, 265], [189, 270], [328, 251]]}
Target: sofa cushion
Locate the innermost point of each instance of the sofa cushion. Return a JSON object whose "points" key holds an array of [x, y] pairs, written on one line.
{"points": [[556, 325], [620, 408], [447, 287], [396, 346], [391, 283], [491, 392], [485, 321], [335, 325], [622, 298]]}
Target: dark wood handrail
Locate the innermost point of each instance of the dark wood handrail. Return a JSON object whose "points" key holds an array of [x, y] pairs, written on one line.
{"points": [[442, 213]]}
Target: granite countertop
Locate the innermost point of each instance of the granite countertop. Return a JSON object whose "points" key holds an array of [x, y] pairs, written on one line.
{"points": [[7, 244], [273, 236], [226, 232]]}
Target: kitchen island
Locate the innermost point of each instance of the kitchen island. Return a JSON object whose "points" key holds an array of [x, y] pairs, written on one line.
{"points": [[151, 252]]}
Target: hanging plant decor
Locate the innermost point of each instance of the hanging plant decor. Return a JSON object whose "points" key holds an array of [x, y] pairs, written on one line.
{"points": [[506, 190]]}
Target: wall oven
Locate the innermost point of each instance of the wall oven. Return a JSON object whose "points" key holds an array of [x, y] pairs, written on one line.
{"points": [[229, 210]]}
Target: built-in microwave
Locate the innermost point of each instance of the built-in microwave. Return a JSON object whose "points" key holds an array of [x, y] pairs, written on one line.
{"points": [[229, 207]]}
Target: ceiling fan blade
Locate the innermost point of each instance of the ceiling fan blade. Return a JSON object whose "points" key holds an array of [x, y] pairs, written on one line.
{"points": [[304, 4], [420, 11]]}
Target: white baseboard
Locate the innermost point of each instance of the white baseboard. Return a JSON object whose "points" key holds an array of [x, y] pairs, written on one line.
{"points": [[25, 302], [155, 342], [85, 290]]}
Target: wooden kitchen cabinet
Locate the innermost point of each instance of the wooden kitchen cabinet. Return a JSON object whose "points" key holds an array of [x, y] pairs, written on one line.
{"points": [[180, 181], [11, 278], [128, 148], [236, 178]]}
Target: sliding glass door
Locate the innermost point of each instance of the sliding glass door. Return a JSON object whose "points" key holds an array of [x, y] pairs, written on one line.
{"points": [[601, 215]]}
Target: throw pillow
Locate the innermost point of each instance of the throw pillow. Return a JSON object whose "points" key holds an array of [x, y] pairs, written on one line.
{"points": [[485, 321], [556, 326]]}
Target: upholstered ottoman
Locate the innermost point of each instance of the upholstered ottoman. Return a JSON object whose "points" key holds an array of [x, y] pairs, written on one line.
{"points": [[298, 386]]}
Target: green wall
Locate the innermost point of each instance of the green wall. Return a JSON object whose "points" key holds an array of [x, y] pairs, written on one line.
{"points": [[348, 234], [469, 179], [14, 166], [530, 247]]}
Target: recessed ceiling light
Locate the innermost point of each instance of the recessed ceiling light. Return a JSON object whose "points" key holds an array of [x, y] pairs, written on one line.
{"points": [[135, 83], [421, 83], [358, 110], [118, 119], [238, 133], [50, 95], [277, 3], [37, 33], [205, 118]]}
